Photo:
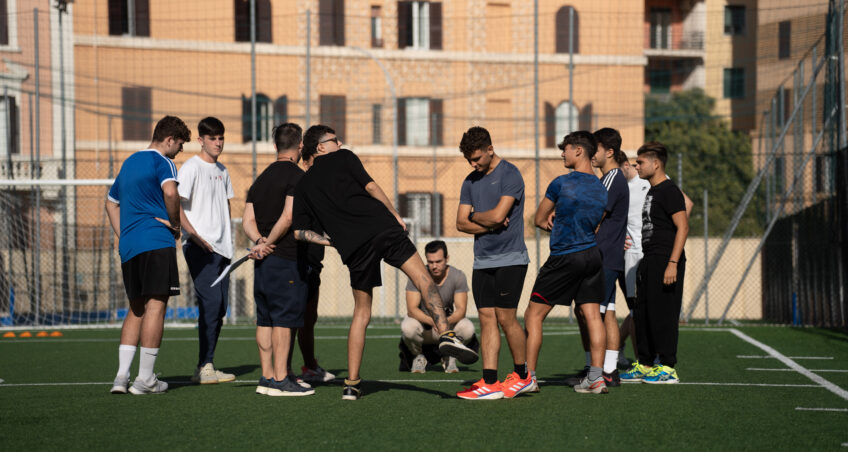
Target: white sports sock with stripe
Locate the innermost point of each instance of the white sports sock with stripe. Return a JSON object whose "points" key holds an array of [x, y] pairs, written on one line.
{"points": [[146, 360]]}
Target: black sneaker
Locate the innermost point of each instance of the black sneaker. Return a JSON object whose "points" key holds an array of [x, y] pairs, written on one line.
{"points": [[576, 379], [612, 379], [352, 392], [288, 387], [451, 345]]}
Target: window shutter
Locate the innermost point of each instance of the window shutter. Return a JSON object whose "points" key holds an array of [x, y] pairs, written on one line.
{"points": [[242, 20], [142, 17], [339, 22], [436, 133], [281, 110], [584, 121], [118, 17], [436, 25], [562, 30], [136, 110], [333, 113], [404, 27], [550, 126], [401, 121], [263, 21], [246, 131], [4, 23], [325, 23]]}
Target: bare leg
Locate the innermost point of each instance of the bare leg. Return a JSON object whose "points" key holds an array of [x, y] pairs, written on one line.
{"points": [[597, 335], [416, 271], [584, 333], [356, 334], [263, 341], [280, 344], [131, 330], [611, 326], [533, 318], [515, 337], [490, 337], [153, 322]]}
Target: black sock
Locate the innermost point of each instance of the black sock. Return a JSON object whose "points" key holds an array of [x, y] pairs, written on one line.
{"points": [[490, 376], [521, 370]]}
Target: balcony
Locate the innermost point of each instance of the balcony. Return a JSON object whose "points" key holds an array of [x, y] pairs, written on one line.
{"points": [[662, 44]]}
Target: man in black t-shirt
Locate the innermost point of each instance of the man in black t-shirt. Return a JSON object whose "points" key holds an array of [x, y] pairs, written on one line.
{"points": [[281, 266], [361, 223], [659, 280]]}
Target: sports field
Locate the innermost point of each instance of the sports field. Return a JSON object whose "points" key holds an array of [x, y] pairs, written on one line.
{"points": [[745, 387]]}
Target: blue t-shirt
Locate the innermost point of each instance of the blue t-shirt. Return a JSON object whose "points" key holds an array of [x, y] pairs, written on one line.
{"points": [[138, 190], [482, 192], [580, 200], [613, 229]]}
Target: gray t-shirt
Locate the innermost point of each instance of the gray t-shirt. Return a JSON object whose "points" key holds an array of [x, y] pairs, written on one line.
{"points": [[505, 246], [454, 282]]}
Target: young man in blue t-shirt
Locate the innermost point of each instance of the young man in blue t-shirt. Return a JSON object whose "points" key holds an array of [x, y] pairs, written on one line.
{"points": [[144, 210], [491, 206], [574, 271]]}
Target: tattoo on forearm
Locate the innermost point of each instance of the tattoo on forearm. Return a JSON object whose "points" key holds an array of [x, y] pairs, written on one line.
{"points": [[312, 237]]}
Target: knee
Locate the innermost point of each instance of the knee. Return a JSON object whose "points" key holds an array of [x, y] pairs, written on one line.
{"points": [[410, 328], [487, 315], [506, 317], [465, 329]]}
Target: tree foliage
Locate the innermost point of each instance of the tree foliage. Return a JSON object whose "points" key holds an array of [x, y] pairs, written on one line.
{"points": [[714, 158]]}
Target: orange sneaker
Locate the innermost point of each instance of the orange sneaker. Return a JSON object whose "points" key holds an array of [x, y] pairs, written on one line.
{"points": [[514, 385], [481, 391]]}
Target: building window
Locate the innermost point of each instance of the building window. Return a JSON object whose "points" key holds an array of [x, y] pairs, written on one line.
{"points": [[10, 128], [659, 80], [660, 19], [4, 23], [281, 112], [734, 83], [734, 20], [425, 210], [263, 20], [376, 26], [267, 115], [779, 175], [420, 25], [563, 30], [376, 123], [129, 18], [822, 173], [567, 116], [137, 112], [331, 23], [784, 50], [420, 121], [333, 113]]}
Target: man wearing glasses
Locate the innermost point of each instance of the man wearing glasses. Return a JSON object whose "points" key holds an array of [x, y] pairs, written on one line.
{"points": [[339, 196]]}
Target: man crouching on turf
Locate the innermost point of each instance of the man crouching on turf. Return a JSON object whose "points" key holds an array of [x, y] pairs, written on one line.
{"points": [[365, 228]]}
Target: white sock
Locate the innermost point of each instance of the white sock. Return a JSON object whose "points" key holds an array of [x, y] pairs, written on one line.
{"points": [[610, 361], [532, 373], [146, 360], [126, 354], [588, 359]]}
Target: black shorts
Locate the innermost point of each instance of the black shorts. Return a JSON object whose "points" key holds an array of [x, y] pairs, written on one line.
{"points": [[279, 289], [498, 287], [313, 283], [392, 245], [152, 273], [577, 277]]}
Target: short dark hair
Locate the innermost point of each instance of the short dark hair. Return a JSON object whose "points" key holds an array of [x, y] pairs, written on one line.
{"points": [[583, 139], [210, 126], [171, 126], [655, 150], [311, 138], [620, 158], [436, 245], [476, 138], [287, 136], [610, 138]]}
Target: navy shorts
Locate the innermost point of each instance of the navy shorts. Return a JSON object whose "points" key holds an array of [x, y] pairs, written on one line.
{"points": [[610, 278], [152, 273], [498, 287], [392, 245], [577, 277], [279, 289]]}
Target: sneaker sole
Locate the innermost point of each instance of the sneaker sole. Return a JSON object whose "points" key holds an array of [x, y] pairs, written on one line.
{"points": [[135, 391], [451, 371], [524, 389], [418, 371], [462, 353], [226, 380], [661, 382], [592, 391], [209, 382], [262, 390], [350, 397], [118, 390], [491, 396], [278, 393], [631, 380]]}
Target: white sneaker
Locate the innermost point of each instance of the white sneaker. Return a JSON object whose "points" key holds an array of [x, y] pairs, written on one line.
{"points": [[140, 387], [316, 375], [419, 365], [120, 385], [224, 377], [205, 375], [449, 364]]}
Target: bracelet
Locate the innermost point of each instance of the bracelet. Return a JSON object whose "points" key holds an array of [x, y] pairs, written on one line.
{"points": [[257, 241], [672, 262]]}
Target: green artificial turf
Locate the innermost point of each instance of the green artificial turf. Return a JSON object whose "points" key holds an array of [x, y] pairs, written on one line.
{"points": [[717, 406]]}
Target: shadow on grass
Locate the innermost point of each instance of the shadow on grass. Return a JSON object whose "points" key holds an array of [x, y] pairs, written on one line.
{"points": [[838, 334], [373, 387]]}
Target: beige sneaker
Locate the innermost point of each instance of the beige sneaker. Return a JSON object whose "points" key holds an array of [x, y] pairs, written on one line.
{"points": [[224, 377], [206, 375]]}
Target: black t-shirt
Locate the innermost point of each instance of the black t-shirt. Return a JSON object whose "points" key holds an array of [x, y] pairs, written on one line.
{"points": [[658, 230], [333, 193], [268, 195], [610, 236]]}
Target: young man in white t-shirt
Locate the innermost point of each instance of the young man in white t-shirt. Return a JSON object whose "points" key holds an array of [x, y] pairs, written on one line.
{"points": [[205, 190]]}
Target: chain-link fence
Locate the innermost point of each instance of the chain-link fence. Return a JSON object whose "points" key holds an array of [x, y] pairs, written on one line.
{"points": [[400, 82]]}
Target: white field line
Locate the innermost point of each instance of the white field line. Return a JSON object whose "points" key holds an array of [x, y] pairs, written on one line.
{"points": [[399, 380], [790, 357], [734, 322], [793, 370], [792, 364], [840, 410]]}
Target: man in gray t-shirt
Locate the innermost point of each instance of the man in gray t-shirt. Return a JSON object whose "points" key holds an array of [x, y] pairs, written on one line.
{"points": [[417, 328], [491, 207]]}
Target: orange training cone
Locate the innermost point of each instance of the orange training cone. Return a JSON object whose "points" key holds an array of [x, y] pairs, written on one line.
{"points": [[25, 334], [56, 334], [42, 334], [9, 334]]}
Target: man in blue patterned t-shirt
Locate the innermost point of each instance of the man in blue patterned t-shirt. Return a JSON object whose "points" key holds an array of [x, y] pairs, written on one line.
{"points": [[144, 210], [574, 271]]}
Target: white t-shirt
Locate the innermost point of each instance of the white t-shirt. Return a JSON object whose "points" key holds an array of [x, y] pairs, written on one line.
{"points": [[205, 189], [638, 191]]}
